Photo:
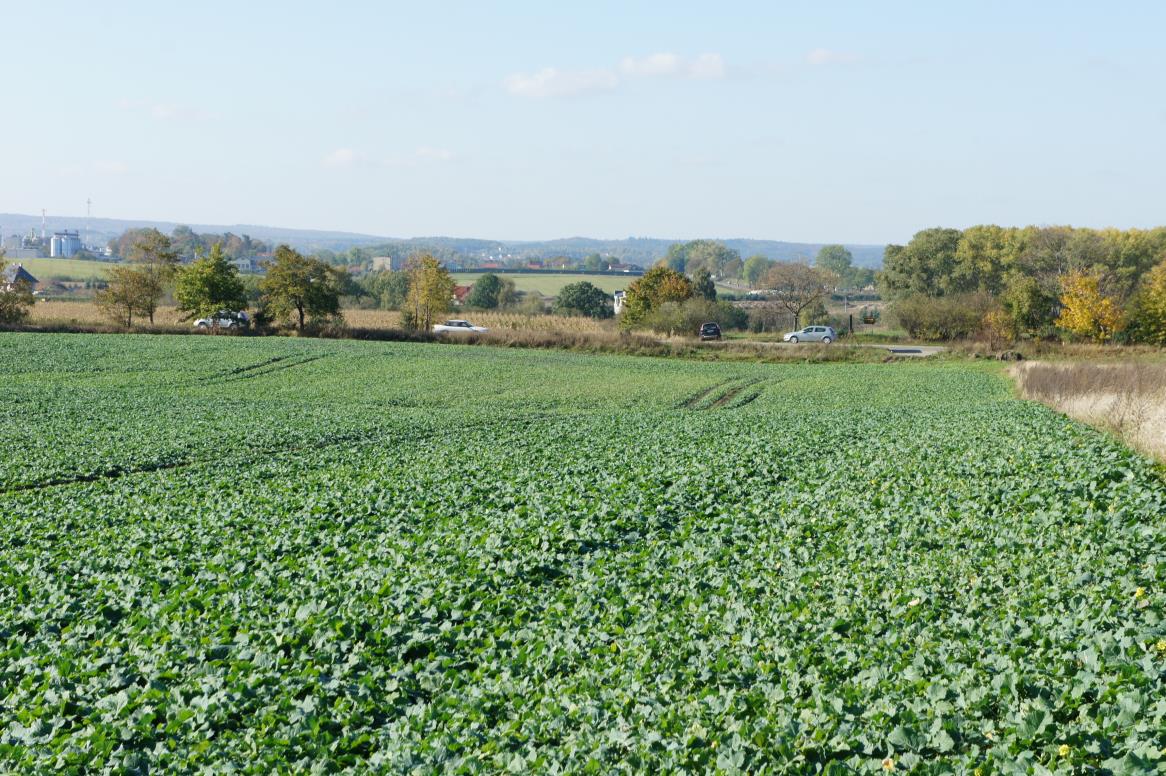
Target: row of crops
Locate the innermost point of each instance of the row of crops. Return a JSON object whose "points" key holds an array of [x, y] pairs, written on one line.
{"points": [[285, 556]]}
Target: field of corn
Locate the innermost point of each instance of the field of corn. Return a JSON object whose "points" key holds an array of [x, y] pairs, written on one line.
{"points": [[265, 555]]}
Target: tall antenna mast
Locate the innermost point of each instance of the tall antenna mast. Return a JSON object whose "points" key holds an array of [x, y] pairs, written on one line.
{"points": [[42, 224], [88, 218]]}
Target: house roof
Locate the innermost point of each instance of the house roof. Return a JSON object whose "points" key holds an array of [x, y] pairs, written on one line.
{"points": [[13, 273], [461, 292]]}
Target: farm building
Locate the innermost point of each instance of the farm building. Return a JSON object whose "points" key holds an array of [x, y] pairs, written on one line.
{"points": [[16, 273], [460, 293]]}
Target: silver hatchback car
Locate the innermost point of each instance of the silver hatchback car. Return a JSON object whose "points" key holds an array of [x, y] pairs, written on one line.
{"points": [[823, 334]]}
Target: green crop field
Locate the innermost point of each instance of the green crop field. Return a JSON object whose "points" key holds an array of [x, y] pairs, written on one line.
{"points": [[264, 555], [550, 283], [64, 269]]}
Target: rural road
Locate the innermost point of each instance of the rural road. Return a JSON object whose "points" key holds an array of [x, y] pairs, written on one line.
{"points": [[914, 351]]}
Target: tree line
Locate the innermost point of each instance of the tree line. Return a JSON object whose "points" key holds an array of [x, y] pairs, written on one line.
{"points": [[1102, 285], [187, 244]]}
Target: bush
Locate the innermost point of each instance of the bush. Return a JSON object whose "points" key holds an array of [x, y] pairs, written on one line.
{"points": [[941, 318], [686, 317]]}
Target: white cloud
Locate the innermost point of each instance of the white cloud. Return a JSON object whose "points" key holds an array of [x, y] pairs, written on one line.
{"points": [[552, 82], [708, 66], [651, 65], [343, 157], [705, 66], [821, 56], [110, 167], [429, 154]]}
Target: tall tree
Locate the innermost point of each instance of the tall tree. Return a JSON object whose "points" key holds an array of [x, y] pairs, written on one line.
{"points": [[484, 294], [836, 259], [796, 287], [583, 298], [1149, 308], [1085, 310], [703, 286], [430, 291], [298, 286], [923, 266], [128, 292], [210, 284], [655, 287], [754, 270]]}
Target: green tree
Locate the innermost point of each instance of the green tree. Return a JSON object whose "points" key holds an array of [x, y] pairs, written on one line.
{"points": [[658, 285], [300, 287], [1148, 312], [836, 259], [703, 286], [923, 266], [484, 294], [583, 298], [430, 291], [129, 291], [754, 270], [388, 288], [712, 255], [15, 297], [208, 285], [595, 263], [156, 263], [1029, 307]]}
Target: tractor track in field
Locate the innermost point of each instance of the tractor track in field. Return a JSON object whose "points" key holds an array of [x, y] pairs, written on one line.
{"points": [[727, 394]]}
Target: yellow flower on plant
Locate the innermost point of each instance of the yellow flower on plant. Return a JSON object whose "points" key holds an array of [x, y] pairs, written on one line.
{"points": [[1140, 592], [1064, 750], [888, 764], [1161, 645]]}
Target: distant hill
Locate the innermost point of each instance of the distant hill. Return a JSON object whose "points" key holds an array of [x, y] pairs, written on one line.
{"points": [[102, 230], [633, 250]]}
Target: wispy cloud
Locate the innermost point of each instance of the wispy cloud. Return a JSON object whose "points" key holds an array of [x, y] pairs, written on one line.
{"points": [[343, 157], [110, 167], [555, 82], [164, 111], [349, 157], [821, 56], [672, 65]]}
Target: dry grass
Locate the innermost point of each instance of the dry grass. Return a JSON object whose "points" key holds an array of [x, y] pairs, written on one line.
{"points": [[495, 321], [1128, 399], [88, 314]]}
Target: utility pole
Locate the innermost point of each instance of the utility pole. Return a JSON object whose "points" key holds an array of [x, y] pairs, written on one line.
{"points": [[88, 218]]}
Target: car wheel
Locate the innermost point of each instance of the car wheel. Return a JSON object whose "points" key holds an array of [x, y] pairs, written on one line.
{"points": [[793, 340], [826, 340]]}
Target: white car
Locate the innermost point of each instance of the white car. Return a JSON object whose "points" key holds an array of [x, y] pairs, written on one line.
{"points": [[823, 334], [224, 319], [458, 327]]}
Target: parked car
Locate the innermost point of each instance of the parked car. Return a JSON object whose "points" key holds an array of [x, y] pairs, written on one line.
{"points": [[710, 331], [823, 334], [224, 319], [458, 327]]}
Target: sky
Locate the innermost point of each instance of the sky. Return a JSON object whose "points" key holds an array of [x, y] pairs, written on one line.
{"points": [[852, 122]]}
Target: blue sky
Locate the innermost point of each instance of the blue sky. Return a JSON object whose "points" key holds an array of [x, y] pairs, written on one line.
{"points": [[827, 121]]}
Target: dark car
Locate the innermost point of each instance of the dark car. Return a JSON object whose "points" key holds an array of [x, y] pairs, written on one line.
{"points": [[710, 331]]}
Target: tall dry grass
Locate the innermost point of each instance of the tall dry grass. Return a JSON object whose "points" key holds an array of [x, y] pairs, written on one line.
{"points": [[495, 321], [89, 314], [1128, 399]]}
